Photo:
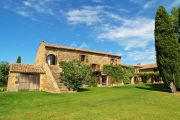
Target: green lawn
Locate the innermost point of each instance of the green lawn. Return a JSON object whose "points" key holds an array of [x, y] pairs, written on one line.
{"points": [[139, 102]]}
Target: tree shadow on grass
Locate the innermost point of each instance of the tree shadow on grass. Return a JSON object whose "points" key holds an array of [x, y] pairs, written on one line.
{"points": [[83, 90], [155, 87]]}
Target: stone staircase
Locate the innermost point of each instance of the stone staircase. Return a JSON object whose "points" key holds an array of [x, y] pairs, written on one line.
{"points": [[55, 70]]}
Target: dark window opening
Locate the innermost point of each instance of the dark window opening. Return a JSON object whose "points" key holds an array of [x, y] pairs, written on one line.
{"points": [[83, 58], [112, 61], [95, 67], [51, 59]]}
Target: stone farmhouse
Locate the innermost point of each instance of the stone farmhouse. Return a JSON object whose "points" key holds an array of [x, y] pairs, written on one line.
{"points": [[147, 68], [44, 74]]}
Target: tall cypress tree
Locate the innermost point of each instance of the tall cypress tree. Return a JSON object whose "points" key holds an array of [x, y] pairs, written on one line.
{"points": [[175, 20], [167, 47], [18, 59]]}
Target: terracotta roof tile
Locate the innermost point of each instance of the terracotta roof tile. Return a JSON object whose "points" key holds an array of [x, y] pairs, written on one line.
{"points": [[26, 68], [77, 49], [146, 66]]}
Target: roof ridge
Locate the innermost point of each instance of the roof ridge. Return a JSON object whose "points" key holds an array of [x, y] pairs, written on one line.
{"points": [[84, 50]]}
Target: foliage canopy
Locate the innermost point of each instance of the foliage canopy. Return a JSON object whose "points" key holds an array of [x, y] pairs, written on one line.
{"points": [[75, 74], [4, 71], [167, 47], [119, 73]]}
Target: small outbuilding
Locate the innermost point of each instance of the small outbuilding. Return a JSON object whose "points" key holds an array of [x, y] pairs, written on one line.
{"points": [[24, 77]]}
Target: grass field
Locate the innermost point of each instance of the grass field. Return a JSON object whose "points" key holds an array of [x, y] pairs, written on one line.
{"points": [[139, 102]]}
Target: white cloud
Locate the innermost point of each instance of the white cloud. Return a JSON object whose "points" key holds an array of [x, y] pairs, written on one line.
{"points": [[148, 4], [130, 33], [29, 8], [23, 13], [86, 15], [143, 57], [39, 7], [134, 33]]}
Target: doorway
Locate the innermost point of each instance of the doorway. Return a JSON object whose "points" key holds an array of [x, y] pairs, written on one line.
{"points": [[29, 82]]}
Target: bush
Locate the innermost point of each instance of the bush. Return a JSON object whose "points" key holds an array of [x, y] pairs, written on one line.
{"points": [[4, 71], [119, 73], [145, 76], [75, 74], [2, 89]]}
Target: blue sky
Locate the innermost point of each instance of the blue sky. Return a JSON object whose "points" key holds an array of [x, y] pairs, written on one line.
{"points": [[122, 27]]}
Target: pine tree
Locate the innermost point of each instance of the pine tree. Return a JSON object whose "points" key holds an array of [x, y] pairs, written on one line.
{"points": [[18, 59], [167, 49]]}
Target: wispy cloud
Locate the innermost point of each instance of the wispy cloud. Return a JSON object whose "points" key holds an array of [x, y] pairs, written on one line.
{"points": [[148, 4], [128, 33], [39, 6], [30, 8], [23, 13], [86, 15], [135, 33], [143, 57]]}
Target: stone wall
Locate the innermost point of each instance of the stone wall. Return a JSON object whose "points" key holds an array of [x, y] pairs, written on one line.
{"points": [[47, 81], [15, 78], [13, 82], [69, 55], [40, 55]]}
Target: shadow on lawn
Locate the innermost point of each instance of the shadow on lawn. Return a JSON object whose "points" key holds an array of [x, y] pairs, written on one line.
{"points": [[155, 87], [83, 90]]}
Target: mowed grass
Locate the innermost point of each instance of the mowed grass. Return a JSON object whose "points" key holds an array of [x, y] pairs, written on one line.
{"points": [[137, 102]]}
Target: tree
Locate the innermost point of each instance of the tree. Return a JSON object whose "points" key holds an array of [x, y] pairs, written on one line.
{"points": [[175, 20], [119, 73], [4, 71], [75, 74], [167, 49], [18, 59]]}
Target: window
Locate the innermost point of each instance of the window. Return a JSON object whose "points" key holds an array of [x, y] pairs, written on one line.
{"points": [[82, 58], [112, 61], [95, 67], [51, 59]]}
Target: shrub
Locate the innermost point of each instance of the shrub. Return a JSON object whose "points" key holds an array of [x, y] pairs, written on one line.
{"points": [[145, 76], [4, 71], [119, 73], [75, 74]]}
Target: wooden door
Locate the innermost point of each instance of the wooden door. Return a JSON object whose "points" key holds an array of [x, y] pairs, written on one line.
{"points": [[28, 82]]}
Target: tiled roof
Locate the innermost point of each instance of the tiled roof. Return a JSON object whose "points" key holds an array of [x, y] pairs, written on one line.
{"points": [[26, 68], [148, 66], [77, 49]]}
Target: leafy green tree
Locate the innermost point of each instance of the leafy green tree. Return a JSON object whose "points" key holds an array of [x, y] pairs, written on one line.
{"points": [[75, 74], [18, 59], [167, 49], [4, 71]]}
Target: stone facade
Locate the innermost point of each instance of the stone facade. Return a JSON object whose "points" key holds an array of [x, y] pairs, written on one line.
{"points": [[146, 68], [48, 57], [69, 54]]}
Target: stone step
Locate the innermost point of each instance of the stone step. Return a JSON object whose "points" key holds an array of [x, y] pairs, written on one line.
{"points": [[55, 70]]}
